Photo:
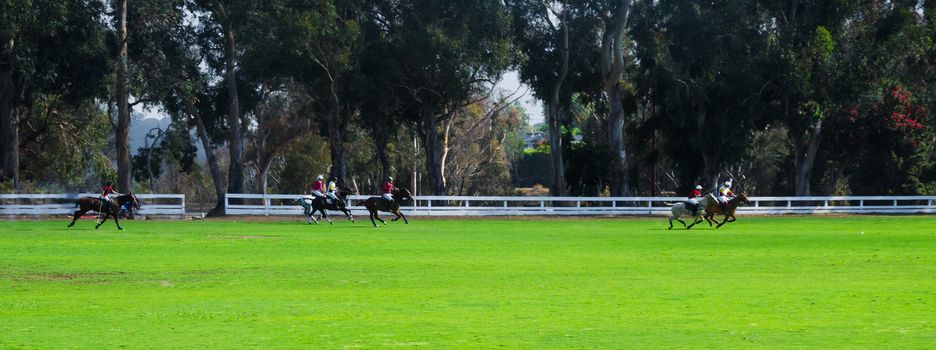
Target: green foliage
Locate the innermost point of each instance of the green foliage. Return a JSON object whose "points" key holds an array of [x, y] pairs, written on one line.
{"points": [[588, 168], [305, 159]]}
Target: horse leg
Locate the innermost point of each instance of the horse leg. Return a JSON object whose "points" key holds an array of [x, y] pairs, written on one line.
{"points": [[348, 214], [695, 221], [325, 215], [379, 219], [400, 213], [116, 221], [670, 223], [78, 214], [723, 222], [372, 215], [681, 222], [102, 221]]}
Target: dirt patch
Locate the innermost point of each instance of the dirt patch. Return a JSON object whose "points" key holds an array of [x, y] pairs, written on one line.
{"points": [[222, 237], [76, 278]]}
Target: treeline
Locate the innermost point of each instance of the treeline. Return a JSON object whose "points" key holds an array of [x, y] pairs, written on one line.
{"points": [[641, 97]]}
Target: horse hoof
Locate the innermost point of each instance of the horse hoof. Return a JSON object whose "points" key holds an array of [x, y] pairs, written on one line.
{"points": [[120, 228]]}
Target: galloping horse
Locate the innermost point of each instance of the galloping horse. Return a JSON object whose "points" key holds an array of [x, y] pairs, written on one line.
{"points": [[374, 204], [727, 209], [112, 209], [679, 209], [310, 205]]}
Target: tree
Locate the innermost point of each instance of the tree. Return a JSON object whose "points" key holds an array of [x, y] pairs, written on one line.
{"points": [[612, 67], [448, 51], [122, 127], [701, 85], [557, 40], [223, 22], [47, 48]]}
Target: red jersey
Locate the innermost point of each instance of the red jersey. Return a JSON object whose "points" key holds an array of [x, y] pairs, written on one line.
{"points": [[317, 185], [695, 193], [388, 187], [106, 190]]}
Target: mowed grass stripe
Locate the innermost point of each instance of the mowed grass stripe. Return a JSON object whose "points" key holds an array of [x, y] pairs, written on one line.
{"points": [[771, 282]]}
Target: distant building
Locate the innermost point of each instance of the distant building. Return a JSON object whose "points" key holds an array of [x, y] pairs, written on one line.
{"points": [[533, 139]]}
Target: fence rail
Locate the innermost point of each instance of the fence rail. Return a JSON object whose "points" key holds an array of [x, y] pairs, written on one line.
{"points": [[285, 204], [64, 203]]}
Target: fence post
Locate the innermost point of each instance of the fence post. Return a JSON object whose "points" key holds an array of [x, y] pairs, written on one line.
{"points": [[789, 203], [505, 204], [578, 204], [183, 206], [895, 203]]}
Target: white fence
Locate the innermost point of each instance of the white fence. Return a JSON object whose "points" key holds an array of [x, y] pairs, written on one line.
{"points": [[64, 203], [285, 204]]}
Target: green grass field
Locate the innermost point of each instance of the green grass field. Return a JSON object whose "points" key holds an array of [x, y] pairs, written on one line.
{"points": [[780, 282]]}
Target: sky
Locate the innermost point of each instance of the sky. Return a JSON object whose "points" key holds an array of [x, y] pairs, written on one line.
{"points": [[533, 106]]}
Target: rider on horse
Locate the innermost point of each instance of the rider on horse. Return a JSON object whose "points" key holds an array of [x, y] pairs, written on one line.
{"points": [[724, 193], [332, 190], [106, 191], [318, 188], [388, 189], [694, 198]]}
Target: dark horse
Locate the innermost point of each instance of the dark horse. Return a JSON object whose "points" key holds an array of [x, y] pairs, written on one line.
{"points": [[726, 209], [107, 209], [311, 205], [375, 204]]}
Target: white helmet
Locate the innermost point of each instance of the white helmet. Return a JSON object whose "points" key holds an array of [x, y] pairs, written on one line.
{"points": [[698, 187], [728, 183], [320, 177]]}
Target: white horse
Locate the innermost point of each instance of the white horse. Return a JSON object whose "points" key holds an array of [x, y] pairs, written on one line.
{"points": [[679, 209]]}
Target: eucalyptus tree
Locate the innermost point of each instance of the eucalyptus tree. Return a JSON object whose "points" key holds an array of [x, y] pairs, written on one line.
{"points": [[615, 15], [559, 43], [700, 71], [448, 51], [318, 46], [221, 26], [52, 49], [808, 41]]}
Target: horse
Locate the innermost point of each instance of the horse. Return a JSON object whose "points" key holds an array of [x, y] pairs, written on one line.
{"points": [[679, 209], [727, 209], [109, 209], [375, 204], [312, 204]]}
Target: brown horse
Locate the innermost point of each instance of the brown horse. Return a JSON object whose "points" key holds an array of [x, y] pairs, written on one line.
{"points": [[375, 204], [107, 210], [726, 209]]}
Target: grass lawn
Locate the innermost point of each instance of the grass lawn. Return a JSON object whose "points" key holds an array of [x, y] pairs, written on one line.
{"points": [[777, 282]]}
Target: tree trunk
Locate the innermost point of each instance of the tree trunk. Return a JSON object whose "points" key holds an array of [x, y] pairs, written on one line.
{"points": [[263, 172], [216, 176], [433, 153], [554, 116], [620, 182], [557, 187], [806, 148], [337, 124], [235, 138], [9, 128], [612, 66], [380, 147], [124, 162], [445, 146]]}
